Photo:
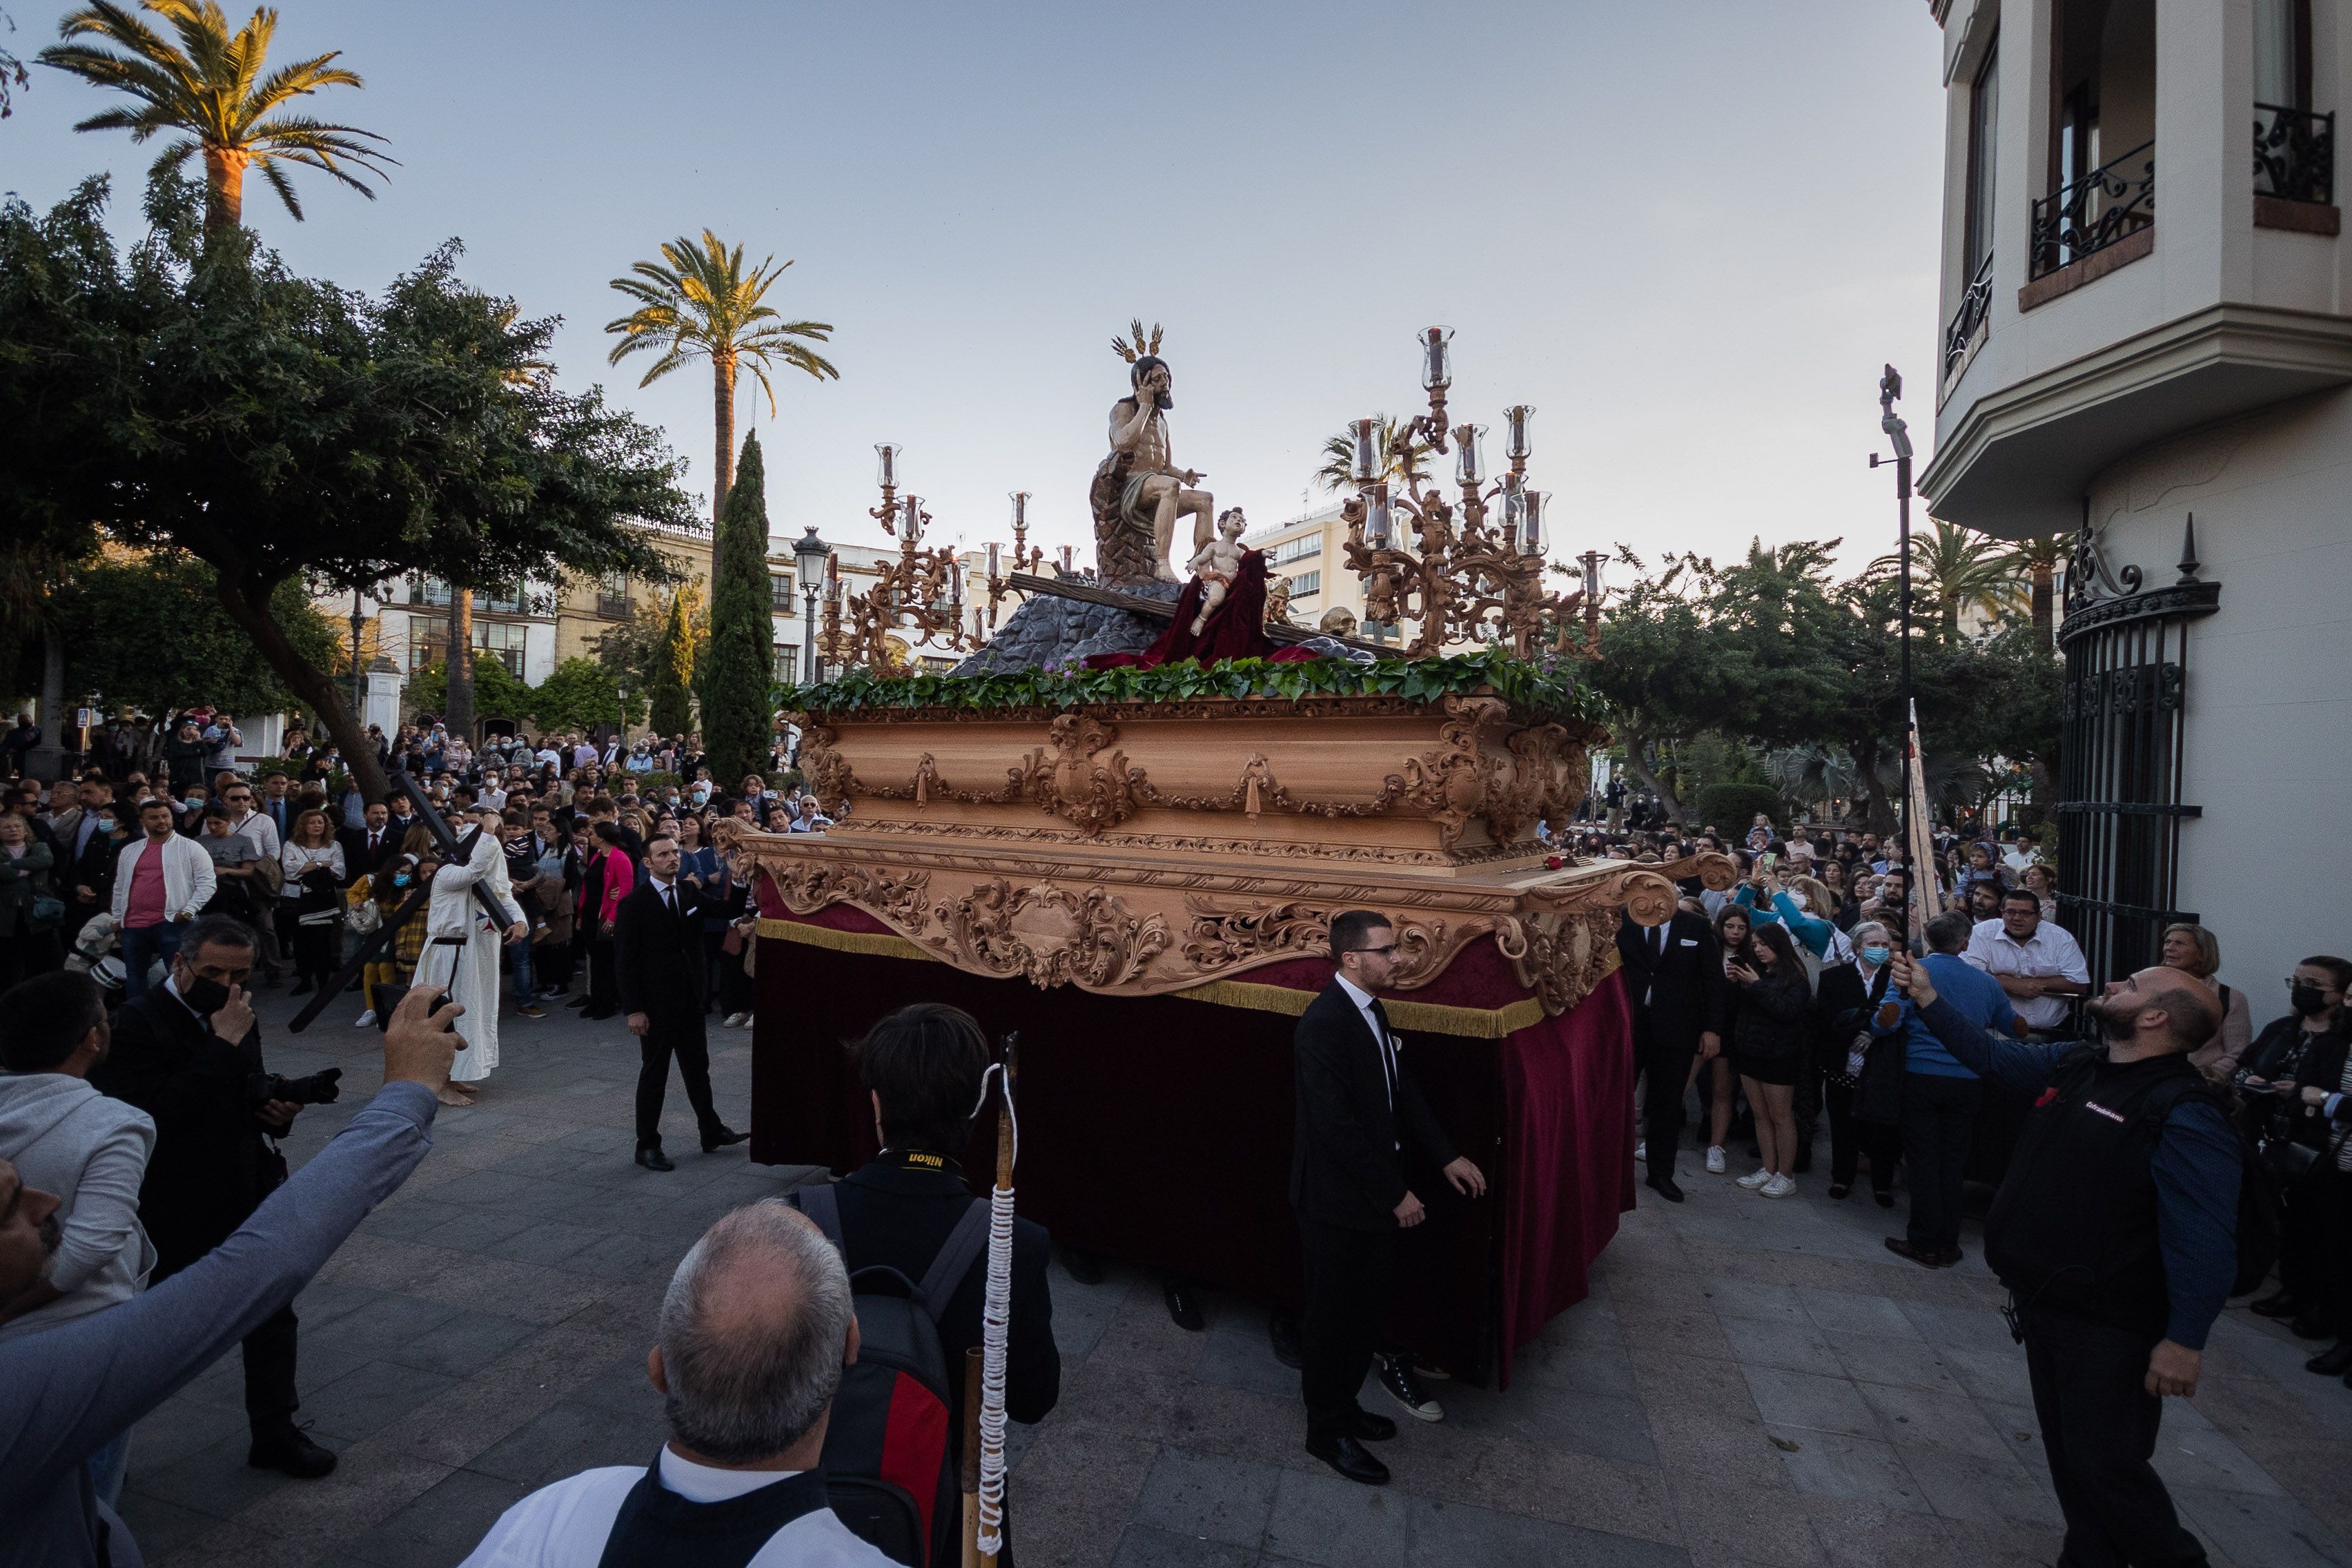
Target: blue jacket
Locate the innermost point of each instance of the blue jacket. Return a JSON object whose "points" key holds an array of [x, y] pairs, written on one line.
{"points": [[1973, 994], [1814, 934]]}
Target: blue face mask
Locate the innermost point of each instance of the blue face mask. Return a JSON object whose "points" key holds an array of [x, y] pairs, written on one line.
{"points": [[400, 880], [1876, 955]]}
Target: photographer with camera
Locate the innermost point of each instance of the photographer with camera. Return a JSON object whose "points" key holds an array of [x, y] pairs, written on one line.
{"points": [[189, 1054]]}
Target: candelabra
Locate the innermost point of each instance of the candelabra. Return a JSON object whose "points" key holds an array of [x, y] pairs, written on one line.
{"points": [[921, 592], [1027, 557], [1587, 570], [1467, 576]]}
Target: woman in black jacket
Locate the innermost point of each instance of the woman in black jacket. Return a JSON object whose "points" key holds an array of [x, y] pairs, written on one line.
{"points": [[2306, 1048], [1770, 1042], [1720, 1090]]}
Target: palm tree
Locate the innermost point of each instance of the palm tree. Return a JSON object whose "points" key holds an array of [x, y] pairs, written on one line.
{"points": [[210, 88], [2037, 561], [1956, 569], [698, 301], [1404, 458]]}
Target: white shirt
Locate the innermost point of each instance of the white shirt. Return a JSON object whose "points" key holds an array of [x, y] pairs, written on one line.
{"points": [[2052, 951], [1363, 1000], [667, 893], [258, 826], [566, 1525], [2018, 860]]}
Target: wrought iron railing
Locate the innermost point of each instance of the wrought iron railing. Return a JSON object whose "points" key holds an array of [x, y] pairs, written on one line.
{"points": [[2294, 153], [2083, 218], [1976, 304]]}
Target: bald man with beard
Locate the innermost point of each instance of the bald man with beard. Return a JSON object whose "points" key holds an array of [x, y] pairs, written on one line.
{"points": [[2116, 1232]]}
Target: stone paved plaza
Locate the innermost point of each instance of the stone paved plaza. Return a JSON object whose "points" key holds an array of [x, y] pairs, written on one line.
{"points": [[1751, 1383]]}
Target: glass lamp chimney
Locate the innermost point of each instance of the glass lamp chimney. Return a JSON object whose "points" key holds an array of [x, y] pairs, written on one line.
{"points": [[1020, 508], [1470, 463], [1519, 415], [888, 467], [911, 519], [1368, 456], [1531, 541], [1069, 561], [1436, 359], [1376, 516]]}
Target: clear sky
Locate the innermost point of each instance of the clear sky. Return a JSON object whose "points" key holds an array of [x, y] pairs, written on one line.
{"points": [[1687, 232]]}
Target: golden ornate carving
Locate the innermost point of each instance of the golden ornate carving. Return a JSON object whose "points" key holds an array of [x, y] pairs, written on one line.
{"points": [[1561, 956], [898, 897], [1047, 934], [1450, 782], [1086, 794], [826, 773]]}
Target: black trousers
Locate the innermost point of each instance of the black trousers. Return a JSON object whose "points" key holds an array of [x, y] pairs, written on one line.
{"points": [[1851, 1137], [1939, 1118], [2315, 1245], [1349, 1274], [1666, 1070], [2098, 1427], [667, 1034], [603, 986], [269, 1352]]}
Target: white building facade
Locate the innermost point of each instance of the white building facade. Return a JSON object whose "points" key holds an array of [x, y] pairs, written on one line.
{"points": [[2147, 347]]}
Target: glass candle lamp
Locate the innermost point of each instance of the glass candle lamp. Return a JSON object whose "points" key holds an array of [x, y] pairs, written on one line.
{"points": [[1436, 358], [887, 466]]}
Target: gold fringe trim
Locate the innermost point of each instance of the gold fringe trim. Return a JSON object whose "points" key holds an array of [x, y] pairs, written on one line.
{"points": [[1418, 1017]]}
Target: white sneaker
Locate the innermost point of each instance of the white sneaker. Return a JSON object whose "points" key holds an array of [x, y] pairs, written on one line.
{"points": [[365, 1020], [1715, 1159], [1756, 1178], [737, 1020], [1778, 1187], [1641, 1153]]}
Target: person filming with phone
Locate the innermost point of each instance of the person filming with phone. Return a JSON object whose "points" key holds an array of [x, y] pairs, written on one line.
{"points": [[2116, 1232]]}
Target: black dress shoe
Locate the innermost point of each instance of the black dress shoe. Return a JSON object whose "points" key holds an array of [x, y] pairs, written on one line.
{"points": [[1084, 1266], [2334, 1361], [301, 987], [577, 1002], [598, 1014], [1283, 1329], [1925, 1257], [1885, 1196], [654, 1160], [2278, 1304], [1347, 1456], [288, 1449], [726, 1137], [2309, 1326], [1368, 1427], [1183, 1305], [1663, 1183]]}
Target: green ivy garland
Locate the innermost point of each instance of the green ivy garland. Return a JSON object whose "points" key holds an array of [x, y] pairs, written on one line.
{"points": [[1547, 687]]}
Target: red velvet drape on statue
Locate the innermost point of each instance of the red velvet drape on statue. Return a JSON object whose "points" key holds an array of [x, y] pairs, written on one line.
{"points": [[1236, 631], [1158, 1129]]}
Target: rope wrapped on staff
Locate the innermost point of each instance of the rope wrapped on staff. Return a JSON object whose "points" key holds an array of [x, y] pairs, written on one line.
{"points": [[996, 1315]]}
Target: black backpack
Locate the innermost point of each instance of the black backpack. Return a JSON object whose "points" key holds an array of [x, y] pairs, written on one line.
{"points": [[2258, 1199], [891, 1469]]}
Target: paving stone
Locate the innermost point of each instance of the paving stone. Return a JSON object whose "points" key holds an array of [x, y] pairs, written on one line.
{"points": [[1325, 1519], [1909, 1362], [2273, 1533], [1458, 1535], [1208, 1496], [1828, 1465], [1142, 1546], [1913, 1415], [570, 1436], [440, 1527], [1970, 1486], [461, 1344], [1566, 1420], [371, 1397], [1238, 1360], [1793, 1345], [1849, 1312], [1792, 1400]]}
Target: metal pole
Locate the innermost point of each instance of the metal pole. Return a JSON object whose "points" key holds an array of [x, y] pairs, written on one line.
{"points": [[1890, 387], [809, 592], [359, 681]]}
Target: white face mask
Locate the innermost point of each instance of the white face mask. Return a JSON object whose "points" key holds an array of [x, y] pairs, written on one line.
{"points": [[1799, 899]]}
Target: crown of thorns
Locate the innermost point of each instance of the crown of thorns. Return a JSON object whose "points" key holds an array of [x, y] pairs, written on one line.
{"points": [[1130, 353]]}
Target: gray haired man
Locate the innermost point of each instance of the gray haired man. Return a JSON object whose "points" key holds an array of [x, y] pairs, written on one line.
{"points": [[754, 1331]]}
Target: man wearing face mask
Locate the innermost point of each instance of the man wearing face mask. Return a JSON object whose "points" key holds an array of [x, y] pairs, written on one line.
{"points": [[2116, 1232], [189, 1054]]}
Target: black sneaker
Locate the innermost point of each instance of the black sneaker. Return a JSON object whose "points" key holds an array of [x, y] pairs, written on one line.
{"points": [[1395, 1375], [289, 1449]]}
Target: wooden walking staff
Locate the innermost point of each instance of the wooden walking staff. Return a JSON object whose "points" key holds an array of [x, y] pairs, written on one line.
{"points": [[984, 1428]]}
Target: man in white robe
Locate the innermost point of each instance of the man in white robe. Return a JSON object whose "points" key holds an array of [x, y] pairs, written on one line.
{"points": [[461, 953]]}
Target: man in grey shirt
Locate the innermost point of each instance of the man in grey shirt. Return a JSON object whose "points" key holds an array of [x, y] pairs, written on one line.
{"points": [[64, 1393]]}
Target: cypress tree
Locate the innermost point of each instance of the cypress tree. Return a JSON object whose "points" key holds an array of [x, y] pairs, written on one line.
{"points": [[739, 666], [669, 710]]}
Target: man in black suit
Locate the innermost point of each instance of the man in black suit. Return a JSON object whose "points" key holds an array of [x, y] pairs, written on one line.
{"points": [[188, 1053], [365, 848], [923, 1065], [1357, 1109], [1673, 977], [658, 968]]}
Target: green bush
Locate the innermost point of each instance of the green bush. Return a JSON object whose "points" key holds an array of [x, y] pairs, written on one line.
{"points": [[1731, 806]]}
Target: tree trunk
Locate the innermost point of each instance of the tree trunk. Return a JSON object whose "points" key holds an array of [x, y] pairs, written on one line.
{"points": [[722, 410], [2044, 608], [47, 760], [248, 606], [1637, 763], [461, 717], [224, 188]]}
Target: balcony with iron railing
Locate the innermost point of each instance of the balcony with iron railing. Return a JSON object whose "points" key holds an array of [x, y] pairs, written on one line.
{"points": [[2295, 169], [1968, 323], [2112, 204]]}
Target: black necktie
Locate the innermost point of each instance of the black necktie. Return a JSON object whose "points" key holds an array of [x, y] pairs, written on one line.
{"points": [[669, 900], [1387, 1049], [1657, 942]]}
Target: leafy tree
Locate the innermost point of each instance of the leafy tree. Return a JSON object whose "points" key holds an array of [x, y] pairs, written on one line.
{"points": [[499, 693], [737, 716], [207, 91], [1405, 456], [1956, 569], [671, 710], [148, 629], [698, 302], [2036, 562], [12, 74], [198, 395], [629, 652], [580, 694]]}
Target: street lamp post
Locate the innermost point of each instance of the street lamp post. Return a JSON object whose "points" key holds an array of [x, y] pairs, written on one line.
{"points": [[809, 554], [359, 679], [1890, 387]]}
